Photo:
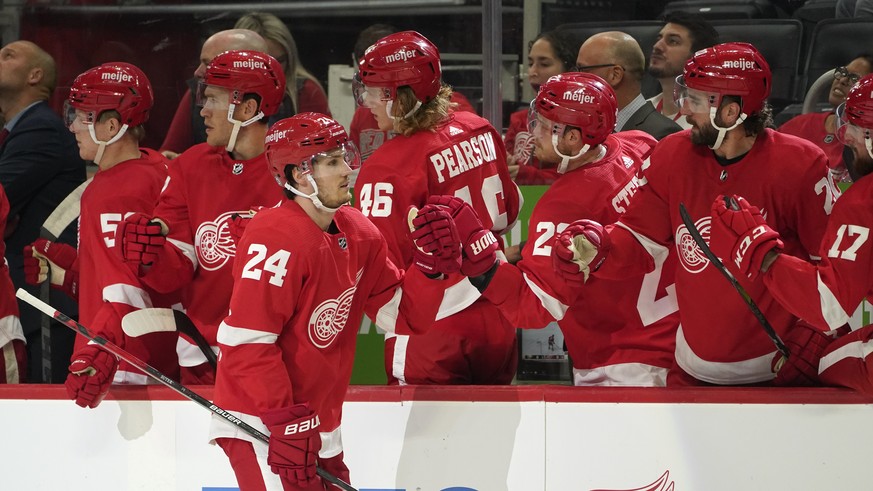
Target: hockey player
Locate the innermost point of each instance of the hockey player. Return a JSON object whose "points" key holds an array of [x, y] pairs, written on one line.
{"points": [[13, 346], [186, 242], [614, 337], [824, 293], [106, 109], [306, 273], [435, 152], [729, 149]]}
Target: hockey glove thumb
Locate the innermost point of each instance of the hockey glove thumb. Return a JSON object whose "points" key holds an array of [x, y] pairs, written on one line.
{"points": [[91, 373], [580, 249], [437, 246]]}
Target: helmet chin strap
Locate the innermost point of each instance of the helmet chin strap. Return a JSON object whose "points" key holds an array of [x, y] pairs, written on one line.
{"points": [[101, 145], [231, 143], [390, 104], [565, 159], [312, 197], [722, 132]]}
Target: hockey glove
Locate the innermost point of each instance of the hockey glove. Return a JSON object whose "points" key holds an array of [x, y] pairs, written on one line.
{"points": [[805, 344], [294, 443], [44, 258], [580, 249], [90, 376], [140, 239], [740, 236], [13, 355], [478, 245], [437, 246], [239, 221]]}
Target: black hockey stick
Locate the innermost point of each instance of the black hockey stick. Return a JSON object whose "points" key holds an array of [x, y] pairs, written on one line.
{"points": [[695, 234], [60, 218], [160, 377], [145, 321]]}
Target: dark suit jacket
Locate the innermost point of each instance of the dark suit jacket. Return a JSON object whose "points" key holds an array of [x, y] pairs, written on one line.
{"points": [[39, 166], [649, 120]]}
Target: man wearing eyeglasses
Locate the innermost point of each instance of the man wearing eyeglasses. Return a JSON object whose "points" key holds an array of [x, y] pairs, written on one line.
{"points": [[617, 58], [820, 127]]}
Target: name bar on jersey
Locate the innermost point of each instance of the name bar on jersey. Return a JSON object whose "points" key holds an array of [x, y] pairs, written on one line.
{"points": [[463, 156]]}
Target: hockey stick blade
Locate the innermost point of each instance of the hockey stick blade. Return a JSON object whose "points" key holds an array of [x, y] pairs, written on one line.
{"points": [[698, 239], [160, 377], [146, 321]]}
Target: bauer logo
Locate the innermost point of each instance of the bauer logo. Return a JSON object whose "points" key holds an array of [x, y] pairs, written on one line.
{"points": [[400, 55], [579, 95], [250, 63], [742, 64], [116, 77]]}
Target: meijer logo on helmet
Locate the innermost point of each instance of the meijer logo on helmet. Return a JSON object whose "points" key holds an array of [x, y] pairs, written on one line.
{"points": [[578, 95], [250, 63], [116, 76], [742, 64], [276, 136], [400, 54]]}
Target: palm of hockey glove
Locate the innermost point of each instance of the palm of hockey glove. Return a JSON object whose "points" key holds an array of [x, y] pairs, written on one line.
{"points": [[437, 246], [140, 239], [90, 376], [294, 443], [805, 344], [478, 245], [53, 261], [580, 249], [740, 236]]}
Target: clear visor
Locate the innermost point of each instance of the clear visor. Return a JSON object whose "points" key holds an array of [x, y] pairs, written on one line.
{"points": [[539, 126], [73, 116], [847, 132], [693, 100], [209, 101], [368, 96], [340, 160]]}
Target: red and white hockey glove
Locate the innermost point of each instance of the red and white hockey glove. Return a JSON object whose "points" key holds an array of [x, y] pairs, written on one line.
{"points": [[90, 376], [437, 246], [478, 245], [140, 238], [294, 443], [13, 355], [580, 249], [805, 343], [53, 261], [740, 236]]}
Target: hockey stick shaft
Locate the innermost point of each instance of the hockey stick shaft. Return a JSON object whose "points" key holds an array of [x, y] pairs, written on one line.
{"points": [[698, 239], [158, 319], [160, 377]]}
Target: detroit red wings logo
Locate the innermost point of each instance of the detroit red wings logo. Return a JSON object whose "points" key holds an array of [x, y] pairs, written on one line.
{"points": [[214, 243], [690, 255], [663, 483], [523, 149], [329, 318]]}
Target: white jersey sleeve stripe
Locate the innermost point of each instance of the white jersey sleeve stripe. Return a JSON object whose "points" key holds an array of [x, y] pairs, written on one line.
{"points": [[457, 298], [857, 349], [236, 336], [187, 250], [652, 247], [550, 303], [831, 310], [386, 317], [127, 294]]}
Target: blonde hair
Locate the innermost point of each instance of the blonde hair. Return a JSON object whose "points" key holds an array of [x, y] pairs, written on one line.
{"points": [[427, 117], [273, 29]]}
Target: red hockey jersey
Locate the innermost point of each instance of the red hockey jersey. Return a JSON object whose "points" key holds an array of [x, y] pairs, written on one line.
{"points": [[719, 340]]}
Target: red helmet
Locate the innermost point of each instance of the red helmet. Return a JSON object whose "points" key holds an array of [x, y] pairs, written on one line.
{"points": [[859, 103], [301, 139], [403, 58], [114, 86], [583, 100], [736, 69], [249, 72]]}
